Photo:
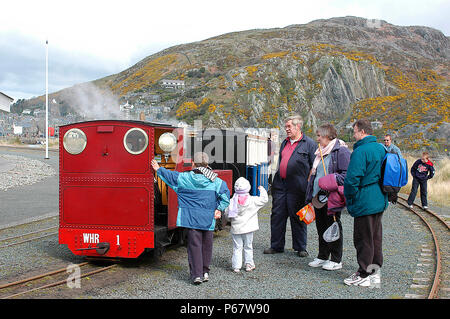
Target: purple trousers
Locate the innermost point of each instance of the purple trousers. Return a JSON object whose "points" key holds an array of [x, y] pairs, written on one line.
{"points": [[199, 249]]}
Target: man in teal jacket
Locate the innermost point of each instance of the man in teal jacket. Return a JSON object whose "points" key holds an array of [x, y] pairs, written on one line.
{"points": [[366, 203], [202, 197]]}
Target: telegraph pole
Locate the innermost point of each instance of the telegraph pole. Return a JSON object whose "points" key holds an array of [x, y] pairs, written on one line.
{"points": [[46, 99]]}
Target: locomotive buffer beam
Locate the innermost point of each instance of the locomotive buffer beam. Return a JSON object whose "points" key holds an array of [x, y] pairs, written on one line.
{"points": [[101, 248]]}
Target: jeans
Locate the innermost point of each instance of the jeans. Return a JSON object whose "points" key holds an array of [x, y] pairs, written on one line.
{"points": [[242, 242], [423, 192]]}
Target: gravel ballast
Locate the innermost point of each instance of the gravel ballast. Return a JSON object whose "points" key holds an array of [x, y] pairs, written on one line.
{"points": [[276, 276]]}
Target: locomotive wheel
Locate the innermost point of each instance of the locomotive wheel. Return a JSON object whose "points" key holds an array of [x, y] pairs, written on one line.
{"points": [[159, 251]]}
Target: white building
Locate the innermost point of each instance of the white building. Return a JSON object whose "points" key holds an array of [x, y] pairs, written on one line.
{"points": [[5, 102], [172, 84]]}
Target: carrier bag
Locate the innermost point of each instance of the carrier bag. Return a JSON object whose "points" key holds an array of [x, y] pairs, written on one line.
{"points": [[394, 175], [332, 233], [307, 214]]}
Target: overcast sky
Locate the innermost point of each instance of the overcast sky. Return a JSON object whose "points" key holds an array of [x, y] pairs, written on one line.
{"points": [[92, 39]]}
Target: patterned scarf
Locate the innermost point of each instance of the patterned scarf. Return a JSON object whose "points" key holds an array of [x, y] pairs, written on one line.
{"points": [[207, 172]]}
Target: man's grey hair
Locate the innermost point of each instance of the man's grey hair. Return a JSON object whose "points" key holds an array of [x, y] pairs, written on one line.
{"points": [[296, 120], [201, 159]]}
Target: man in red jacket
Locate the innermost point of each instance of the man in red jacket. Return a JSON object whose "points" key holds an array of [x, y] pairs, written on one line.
{"points": [[421, 171]]}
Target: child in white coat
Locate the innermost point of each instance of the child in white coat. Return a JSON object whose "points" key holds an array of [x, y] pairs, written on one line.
{"points": [[243, 214]]}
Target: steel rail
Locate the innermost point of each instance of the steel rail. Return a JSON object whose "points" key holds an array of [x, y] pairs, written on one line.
{"points": [[38, 276], [27, 234], [434, 287], [25, 241], [59, 282], [430, 212]]}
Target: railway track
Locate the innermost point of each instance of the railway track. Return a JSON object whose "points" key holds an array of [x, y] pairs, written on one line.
{"points": [[12, 239], [440, 231], [57, 277]]}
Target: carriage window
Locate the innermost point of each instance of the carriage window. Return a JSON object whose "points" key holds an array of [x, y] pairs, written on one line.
{"points": [[74, 141], [135, 141]]}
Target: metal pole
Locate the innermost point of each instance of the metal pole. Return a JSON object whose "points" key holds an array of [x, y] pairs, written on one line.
{"points": [[46, 99]]}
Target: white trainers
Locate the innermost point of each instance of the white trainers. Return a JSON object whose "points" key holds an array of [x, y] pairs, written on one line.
{"points": [[375, 280], [317, 262], [356, 280], [236, 270], [205, 277], [411, 206], [331, 265], [425, 207]]}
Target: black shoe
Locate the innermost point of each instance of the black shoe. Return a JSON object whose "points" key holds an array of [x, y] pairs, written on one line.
{"points": [[272, 251], [303, 253]]}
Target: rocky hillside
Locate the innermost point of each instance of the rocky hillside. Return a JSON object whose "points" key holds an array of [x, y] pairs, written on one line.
{"points": [[334, 70]]}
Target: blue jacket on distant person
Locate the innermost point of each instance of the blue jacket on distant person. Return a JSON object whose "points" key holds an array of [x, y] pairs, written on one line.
{"points": [[393, 149], [198, 197]]}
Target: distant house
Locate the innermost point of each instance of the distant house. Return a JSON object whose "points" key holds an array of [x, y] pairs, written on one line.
{"points": [[38, 113], [172, 84], [376, 124], [5, 102]]}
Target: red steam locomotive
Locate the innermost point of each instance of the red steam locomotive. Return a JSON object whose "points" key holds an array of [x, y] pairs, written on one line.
{"points": [[111, 204]]}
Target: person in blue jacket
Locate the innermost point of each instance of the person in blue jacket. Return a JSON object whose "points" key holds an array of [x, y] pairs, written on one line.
{"points": [[391, 148], [202, 197], [366, 203]]}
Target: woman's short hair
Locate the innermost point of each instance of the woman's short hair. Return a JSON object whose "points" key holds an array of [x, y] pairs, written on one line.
{"points": [[296, 120], [327, 130], [201, 159]]}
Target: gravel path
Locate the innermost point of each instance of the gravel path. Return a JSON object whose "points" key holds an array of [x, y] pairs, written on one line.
{"points": [[276, 276], [282, 275]]}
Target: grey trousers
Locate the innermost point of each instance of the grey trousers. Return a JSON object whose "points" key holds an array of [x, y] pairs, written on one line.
{"points": [[199, 249]]}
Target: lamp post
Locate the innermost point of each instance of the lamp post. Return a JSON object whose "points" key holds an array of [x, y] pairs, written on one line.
{"points": [[46, 99]]}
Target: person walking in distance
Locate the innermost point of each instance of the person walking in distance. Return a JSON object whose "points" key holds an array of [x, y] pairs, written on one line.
{"points": [[289, 187], [421, 171], [366, 203]]}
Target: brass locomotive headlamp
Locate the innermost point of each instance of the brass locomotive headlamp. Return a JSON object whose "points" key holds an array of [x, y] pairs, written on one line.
{"points": [[74, 141], [167, 142]]}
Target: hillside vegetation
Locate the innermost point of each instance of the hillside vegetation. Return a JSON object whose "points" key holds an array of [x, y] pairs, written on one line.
{"points": [[334, 70]]}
